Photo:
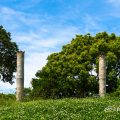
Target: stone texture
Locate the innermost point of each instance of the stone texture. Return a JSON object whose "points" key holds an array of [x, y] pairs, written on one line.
{"points": [[20, 76], [102, 75]]}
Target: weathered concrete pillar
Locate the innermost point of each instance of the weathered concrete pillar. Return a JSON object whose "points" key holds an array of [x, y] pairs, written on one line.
{"points": [[20, 76], [102, 75]]}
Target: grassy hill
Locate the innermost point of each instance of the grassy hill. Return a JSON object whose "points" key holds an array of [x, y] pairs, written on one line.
{"points": [[61, 109]]}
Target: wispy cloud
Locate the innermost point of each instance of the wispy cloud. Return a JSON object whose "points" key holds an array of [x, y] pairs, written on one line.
{"points": [[7, 88], [115, 3], [36, 36], [17, 19], [114, 10], [34, 62], [30, 3], [92, 24]]}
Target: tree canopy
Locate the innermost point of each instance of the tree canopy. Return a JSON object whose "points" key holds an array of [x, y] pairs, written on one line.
{"points": [[8, 51], [74, 70]]}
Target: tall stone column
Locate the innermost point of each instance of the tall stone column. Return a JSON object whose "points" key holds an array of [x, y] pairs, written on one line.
{"points": [[102, 75], [20, 76]]}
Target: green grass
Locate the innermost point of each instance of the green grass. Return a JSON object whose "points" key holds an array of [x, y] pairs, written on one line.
{"points": [[61, 109]]}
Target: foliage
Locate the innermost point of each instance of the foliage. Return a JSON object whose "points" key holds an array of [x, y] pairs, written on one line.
{"points": [[63, 109], [73, 72], [7, 56], [27, 91], [6, 99], [116, 93]]}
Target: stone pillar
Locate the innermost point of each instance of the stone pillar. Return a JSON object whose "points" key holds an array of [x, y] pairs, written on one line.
{"points": [[102, 75], [20, 76]]}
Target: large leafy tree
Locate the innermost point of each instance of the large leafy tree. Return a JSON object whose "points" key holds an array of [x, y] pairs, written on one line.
{"points": [[8, 51], [74, 71], [69, 72]]}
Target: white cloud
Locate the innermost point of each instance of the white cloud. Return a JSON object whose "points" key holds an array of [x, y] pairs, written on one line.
{"points": [[115, 3], [114, 10], [33, 63], [36, 37], [28, 3], [6, 87], [17, 20], [92, 24]]}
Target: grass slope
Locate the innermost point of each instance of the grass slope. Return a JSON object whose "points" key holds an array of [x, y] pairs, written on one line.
{"points": [[64, 109]]}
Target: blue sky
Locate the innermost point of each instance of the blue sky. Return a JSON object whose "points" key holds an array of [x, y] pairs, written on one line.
{"points": [[41, 27]]}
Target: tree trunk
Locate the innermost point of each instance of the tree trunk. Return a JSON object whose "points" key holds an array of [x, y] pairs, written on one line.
{"points": [[20, 76], [102, 75]]}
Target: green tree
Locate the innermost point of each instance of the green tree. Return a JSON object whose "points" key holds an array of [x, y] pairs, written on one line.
{"points": [[27, 91], [74, 71], [8, 51], [67, 73]]}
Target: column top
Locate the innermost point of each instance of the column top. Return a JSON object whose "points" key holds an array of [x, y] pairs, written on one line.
{"points": [[20, 51]]}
